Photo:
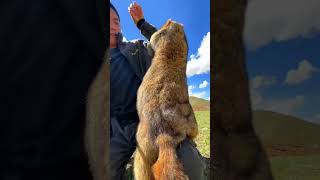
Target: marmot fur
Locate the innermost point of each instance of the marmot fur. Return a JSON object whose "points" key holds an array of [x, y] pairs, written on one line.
{"points": [[166, 116]]}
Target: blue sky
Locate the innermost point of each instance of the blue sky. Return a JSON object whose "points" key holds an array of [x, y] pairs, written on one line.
{"points": [[283, 57], [195, 16]]}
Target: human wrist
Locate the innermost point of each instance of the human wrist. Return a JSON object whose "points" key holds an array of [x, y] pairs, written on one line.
{"points": [[140, 22]]}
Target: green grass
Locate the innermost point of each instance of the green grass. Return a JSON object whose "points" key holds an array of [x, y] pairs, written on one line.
{"points": [[203, 139], [296, 168]]}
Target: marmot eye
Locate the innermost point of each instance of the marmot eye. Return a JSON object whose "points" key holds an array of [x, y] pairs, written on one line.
{"points": [[162, 33]]}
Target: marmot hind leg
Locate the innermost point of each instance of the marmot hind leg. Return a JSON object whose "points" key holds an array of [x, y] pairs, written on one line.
{"points": [[142, 169], [145, 156]]}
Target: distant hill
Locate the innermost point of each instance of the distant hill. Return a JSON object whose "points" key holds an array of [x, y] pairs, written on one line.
{"points": [[282, 132], [199, 104]]}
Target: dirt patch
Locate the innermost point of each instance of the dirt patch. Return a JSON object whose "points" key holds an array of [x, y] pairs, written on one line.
{"points": [[289, 150]]}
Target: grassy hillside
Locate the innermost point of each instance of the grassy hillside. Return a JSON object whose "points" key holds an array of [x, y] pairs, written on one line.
{"points": [[199, 104], [278, 129], [201, 108]]}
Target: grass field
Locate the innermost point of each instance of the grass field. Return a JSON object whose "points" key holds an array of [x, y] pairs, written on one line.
{"points": [[203, 139], [293, 145], [303, 167], [296, 167], [291, 160]]}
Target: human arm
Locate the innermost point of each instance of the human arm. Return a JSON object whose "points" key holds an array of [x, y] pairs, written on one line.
{"points": [[137, 16]]}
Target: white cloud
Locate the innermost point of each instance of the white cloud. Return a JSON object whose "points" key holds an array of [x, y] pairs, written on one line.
{"points": [[199, 94], [256, 97], [302, 73], [257, 85], [190, 88], [285, 105], [124, 39], [208, 99], [315, 118], [204, 84], [280, 20], [200, 63], [262, 81]]}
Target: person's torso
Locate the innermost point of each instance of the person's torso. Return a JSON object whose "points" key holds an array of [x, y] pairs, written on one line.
{"points": [[124, 84]]}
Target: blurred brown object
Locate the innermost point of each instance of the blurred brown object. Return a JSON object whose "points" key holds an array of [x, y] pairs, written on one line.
{"points": [[237, 151], [98, 124]]}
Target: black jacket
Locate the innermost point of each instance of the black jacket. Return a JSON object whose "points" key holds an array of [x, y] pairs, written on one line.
{"points": [[50, 51], [139, 53]]}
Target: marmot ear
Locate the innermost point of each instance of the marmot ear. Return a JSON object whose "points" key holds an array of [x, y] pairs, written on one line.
{"points": [[168, 22]]}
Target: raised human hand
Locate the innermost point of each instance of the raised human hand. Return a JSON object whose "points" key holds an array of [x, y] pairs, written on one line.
{"points": [[136, 12]]}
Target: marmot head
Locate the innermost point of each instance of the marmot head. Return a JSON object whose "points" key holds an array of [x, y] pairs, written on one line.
{"points": [[172, 35]]}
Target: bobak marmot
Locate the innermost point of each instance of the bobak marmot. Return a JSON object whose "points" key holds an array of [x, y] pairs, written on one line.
{"points": [[166, 116]]}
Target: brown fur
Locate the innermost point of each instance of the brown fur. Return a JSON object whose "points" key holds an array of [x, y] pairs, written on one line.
{"points": [[97, 123], [166, 116], [238, 153]]}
